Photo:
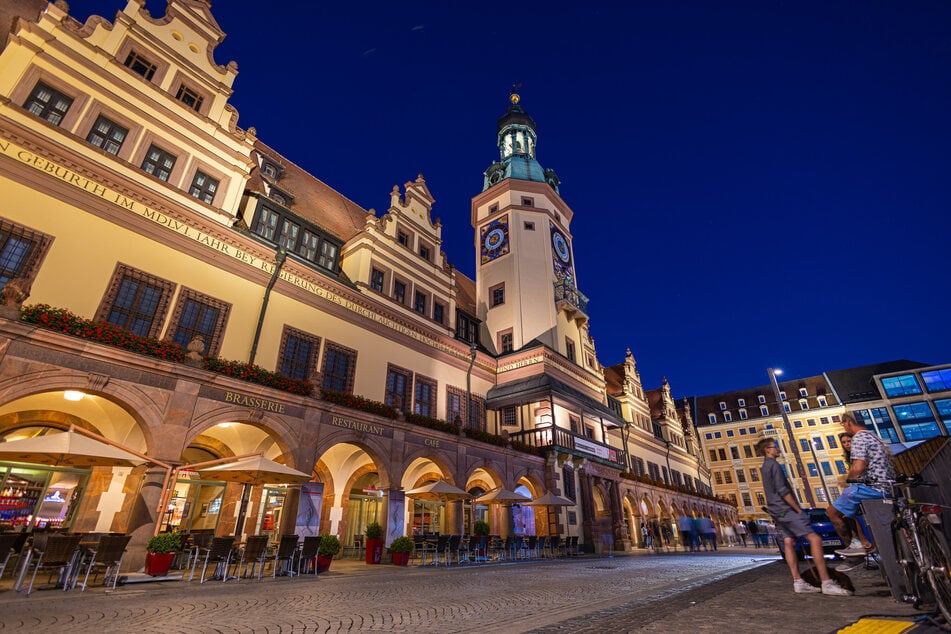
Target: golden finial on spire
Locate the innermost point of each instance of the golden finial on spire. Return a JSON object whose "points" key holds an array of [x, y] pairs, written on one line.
{"points": [[513, 96]]}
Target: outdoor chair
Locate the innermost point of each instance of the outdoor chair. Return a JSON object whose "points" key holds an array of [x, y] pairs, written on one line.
{"points": [[422, 547], [441, 554], [7, 542], [452, 548], [555, 546], [541, 546], [506, 549], [307, 559], [106, 555], [571, 546], [252, 556], [529, 547], [196, 542], [52, 551], [286, 553], [356, 549], [219, 553]]}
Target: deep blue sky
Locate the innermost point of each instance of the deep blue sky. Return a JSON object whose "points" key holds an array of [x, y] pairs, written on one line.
{"points": [[761, 183]]}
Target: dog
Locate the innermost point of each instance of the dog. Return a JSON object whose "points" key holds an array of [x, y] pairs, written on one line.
{"points": [[811, 575]]}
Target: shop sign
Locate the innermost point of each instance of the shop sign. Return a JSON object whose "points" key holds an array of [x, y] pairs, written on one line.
{"points": [[605, 453]]}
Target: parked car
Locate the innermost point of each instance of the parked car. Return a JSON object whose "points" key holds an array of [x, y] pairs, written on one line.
{"points": [[821, 525]]}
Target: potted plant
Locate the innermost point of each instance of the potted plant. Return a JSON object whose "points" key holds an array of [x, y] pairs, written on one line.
{"points": [[481, 527], [161, 550], [374, 535], [329, 546], [400, 549]]}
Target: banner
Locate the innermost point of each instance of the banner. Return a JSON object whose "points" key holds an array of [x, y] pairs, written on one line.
{"points": [[308, 510], [396, 516]]}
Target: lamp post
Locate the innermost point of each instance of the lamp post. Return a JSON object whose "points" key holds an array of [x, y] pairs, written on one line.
{"points": [[472, 356], [800, 468]]}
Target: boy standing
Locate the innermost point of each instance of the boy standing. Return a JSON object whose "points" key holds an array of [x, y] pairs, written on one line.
{"points": [[792, 522]]}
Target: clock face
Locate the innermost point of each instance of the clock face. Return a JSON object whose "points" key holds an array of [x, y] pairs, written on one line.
{"points": [[561, 246], [494, 239]]}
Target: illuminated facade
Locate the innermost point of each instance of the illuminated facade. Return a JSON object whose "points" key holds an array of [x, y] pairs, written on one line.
{"points": [[131, 197]]}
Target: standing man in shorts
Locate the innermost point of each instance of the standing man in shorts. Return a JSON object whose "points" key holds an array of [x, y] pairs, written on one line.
{"points": [[870, 464], [792, 522]]}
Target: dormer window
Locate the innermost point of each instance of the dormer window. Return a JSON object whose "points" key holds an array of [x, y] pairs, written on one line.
{"points": [[741, 402], [722, 406], [782, 395], [803, 392], [822, 401], [279, 198], [712, 418], [761, 399], [139, 65], [270, 170], [189, 97]]}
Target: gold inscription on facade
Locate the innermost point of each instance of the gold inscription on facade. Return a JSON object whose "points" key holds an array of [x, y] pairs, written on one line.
{"points": [[257, 403], [356, 425], [431, 442], [70, 177]]}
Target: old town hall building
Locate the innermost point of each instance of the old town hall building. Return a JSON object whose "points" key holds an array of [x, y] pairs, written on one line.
{"points": [[178, 287]]}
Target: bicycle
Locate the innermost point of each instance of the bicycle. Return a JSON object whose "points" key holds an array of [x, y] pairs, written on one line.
{"points": [[921, 550]]}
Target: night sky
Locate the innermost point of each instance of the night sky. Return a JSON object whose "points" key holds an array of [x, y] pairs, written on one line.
{"points": [[755, 184]]}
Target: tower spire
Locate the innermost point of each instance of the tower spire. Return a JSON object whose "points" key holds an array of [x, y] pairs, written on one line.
{"points": [[516, 141]]}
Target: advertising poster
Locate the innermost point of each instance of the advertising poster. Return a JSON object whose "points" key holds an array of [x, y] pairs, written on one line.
{"points": [[308, 511], [396, 516]]}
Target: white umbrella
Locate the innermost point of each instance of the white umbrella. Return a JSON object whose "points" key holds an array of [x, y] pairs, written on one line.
{"points": [[440, 490], [255, 470], [502, 496], [67, 449], [550, 499]]}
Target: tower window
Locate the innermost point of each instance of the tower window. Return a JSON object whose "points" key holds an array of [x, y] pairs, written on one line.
{"points": [[497, 293], [529, 226], [506, 342], [528, 202], [493, 208]]}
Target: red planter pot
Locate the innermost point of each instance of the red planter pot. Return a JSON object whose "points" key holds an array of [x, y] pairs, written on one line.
{"points": [[374, 550], [157, 564], [323, 562], [400, 559]]}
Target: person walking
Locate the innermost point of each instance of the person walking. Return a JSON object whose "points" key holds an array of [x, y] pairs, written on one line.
{"points": [[741, 532], [872, 466], [792, 523]]}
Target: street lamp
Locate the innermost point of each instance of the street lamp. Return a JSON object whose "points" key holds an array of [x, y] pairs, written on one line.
{"points": [[800, 468], [472, 355]]}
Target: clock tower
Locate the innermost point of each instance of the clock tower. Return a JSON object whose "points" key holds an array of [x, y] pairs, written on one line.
{"points": [[525, 274]]}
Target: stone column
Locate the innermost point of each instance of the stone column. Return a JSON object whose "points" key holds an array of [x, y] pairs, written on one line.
{"points": [[143, 516]]}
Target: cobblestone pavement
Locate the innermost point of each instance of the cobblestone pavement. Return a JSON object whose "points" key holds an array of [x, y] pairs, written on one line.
{"points": [[674, 592]]}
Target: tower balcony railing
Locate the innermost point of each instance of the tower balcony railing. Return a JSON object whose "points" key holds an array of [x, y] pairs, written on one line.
{"points": [[562, 439], [569, 298]]}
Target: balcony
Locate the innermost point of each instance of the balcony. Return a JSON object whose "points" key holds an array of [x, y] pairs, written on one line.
{"points": [[571, 300], [564, 440]]}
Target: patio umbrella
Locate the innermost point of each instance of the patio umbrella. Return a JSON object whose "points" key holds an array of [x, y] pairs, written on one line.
{"points": [[502, 496], [440, 491], [255, 470], [550, 499], [251, 471], [67, 449]]}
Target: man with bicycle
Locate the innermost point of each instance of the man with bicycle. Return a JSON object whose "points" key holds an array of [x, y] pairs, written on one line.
{"points": [[872, 467]]}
